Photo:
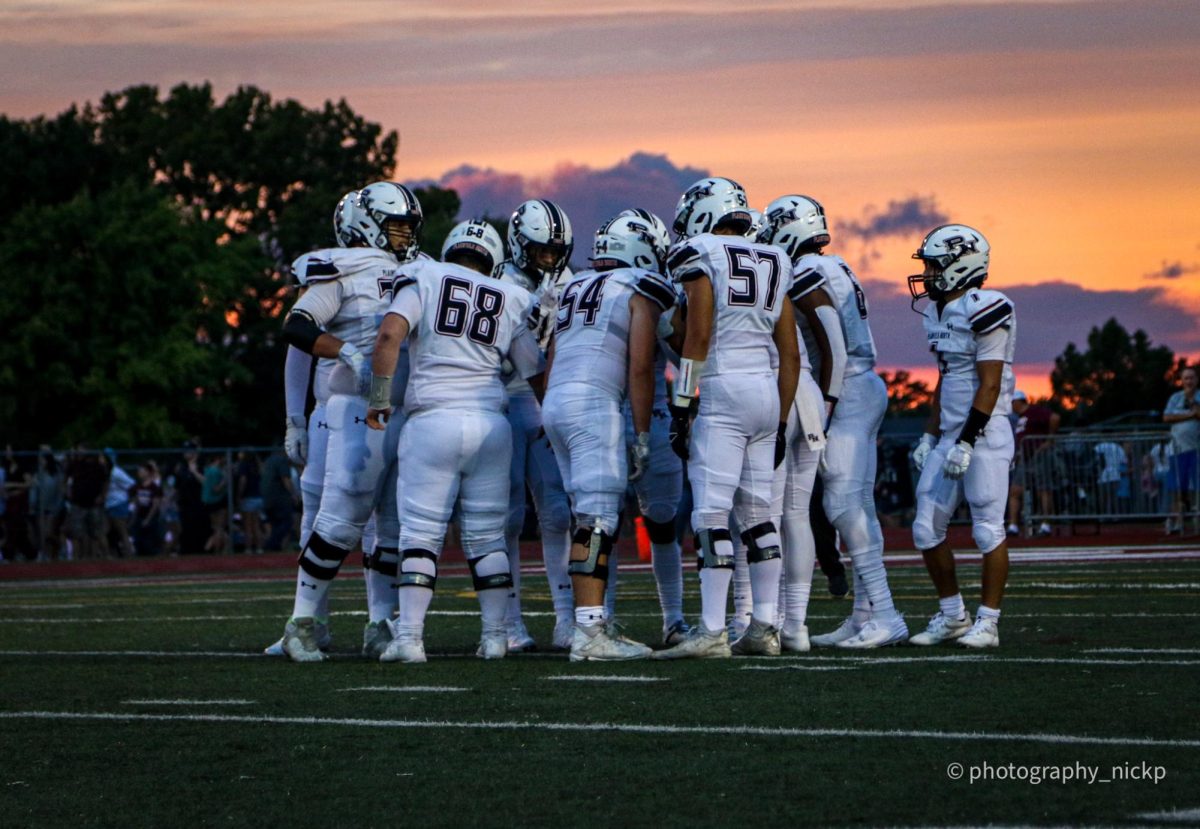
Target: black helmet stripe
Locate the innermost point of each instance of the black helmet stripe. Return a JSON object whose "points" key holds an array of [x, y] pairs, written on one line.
{"points": [[557, 232]]}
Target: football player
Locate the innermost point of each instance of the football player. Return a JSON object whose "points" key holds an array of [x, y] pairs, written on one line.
{"points": [[741, 345], [833, 322], [456, 440], [540, 243], [338, 317], [602, 351], [968, 443]]}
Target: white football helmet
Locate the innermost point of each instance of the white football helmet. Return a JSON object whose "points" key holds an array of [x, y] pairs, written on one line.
{"points": [[634, 238], [349, 222], [708, 203], [792, 222], [540, 224], [478, 238], [757, 220], [389, 201], [955, 257]]}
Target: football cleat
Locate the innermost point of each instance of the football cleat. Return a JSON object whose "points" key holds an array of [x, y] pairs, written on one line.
{"points": [[737, 625], [845, 630], [985, 633], [758, 640], [519, 639], [699, 643], [406, 647], [795, 642], [564, 634], [300, 640], [604, 643], [493, 645], [942, 629], [275, 649], [376, 636], [675, 632], [877, 633]]}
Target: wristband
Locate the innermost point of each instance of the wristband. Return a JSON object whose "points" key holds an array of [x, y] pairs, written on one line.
{"points": [[381, 392], [686, 381], [977, 421]]}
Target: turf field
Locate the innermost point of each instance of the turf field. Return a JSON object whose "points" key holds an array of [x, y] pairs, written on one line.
{"points": [[145, 702]]}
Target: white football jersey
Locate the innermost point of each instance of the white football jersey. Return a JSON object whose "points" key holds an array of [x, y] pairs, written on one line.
{"points": [[749, 283], [349, 290], [979, 326], [591, 332], [834, 275], [463, 326]]}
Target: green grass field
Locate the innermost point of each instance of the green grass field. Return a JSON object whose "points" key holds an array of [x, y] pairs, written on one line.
{"points": [[144, 702]]}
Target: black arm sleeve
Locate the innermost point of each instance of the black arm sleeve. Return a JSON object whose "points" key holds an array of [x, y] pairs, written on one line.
{"points": [[977, 421], [301, 331]]}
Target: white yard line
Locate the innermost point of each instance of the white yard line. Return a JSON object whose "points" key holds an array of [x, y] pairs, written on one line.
{"points": [[188, 702], [605, 678], [1141, 650], [801, 667], [408, 689], [602, 727], [979, 658], [1172, 816]]}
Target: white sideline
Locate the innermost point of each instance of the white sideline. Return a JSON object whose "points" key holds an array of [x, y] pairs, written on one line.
{"points": [[969, 657], [606, 678], [628, 728], [188, 702], [1141, 650]]}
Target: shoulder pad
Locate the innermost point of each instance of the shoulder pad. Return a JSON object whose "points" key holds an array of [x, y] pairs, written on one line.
{"points": [[315, 266], [806, 279], [987, 310], [654, 287]]}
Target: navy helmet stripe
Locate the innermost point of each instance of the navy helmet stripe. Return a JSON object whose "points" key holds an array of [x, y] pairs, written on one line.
{"points": [[556, 223]]}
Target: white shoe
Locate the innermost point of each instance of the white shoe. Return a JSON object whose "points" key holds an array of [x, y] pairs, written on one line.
{"points": [[758, 640], [324, 640], [493, 645], [699, 643], [736, 626], [675, 633], [942, 629], [985, 633], [878, 633], [376, 636], [795, 642], [564, 634], [1013, 529], [275, 649], [845, 630], [1044, 529], [404, 648], [300, 640], [604, 643], [519, 639]]}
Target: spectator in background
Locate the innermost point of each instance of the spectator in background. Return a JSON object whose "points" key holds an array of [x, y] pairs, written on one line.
{"points": [[1034, 465], [47, 500], [1156, 467], [1114, 475], [1183, 413], [116, 504], [278, 499], [146, 496], [188, 484], [87, 480], [214, 493], [18, 529], [249, 500]]}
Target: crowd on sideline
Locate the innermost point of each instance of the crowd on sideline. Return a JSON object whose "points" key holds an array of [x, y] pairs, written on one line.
{"points": [[88, 504]]}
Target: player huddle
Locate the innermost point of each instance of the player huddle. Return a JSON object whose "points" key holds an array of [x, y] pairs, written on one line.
{"points": [[446, 388]]}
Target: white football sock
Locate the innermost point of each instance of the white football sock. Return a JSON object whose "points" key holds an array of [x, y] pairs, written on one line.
{"points": [[310, 594], [764, 584], [986, 612], [381, 589], [714, 596], [743, 596], [610, 588], [953, 607], [667, 562], [589, 616], [556, 554], [513, 548]]}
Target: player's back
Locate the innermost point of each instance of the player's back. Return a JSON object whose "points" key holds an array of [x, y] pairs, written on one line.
{"points": [[591, 336], [851, 303], [749, 285], [963, 333], [463, 324]]}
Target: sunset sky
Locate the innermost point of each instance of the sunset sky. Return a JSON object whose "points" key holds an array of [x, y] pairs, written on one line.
{"points": [[1068, 132]]}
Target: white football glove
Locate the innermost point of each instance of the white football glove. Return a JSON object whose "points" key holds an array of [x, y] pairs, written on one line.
{"points": [[352, 357], [921, 451], [958, 460], [295, 440], [639, 455]]}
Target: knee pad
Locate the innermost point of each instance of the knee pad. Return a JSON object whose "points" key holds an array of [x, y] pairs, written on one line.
{"points": [[556, 515], [715, 548], [320, 559], [338, 532], [988, 536], [598, 545], [924, 536], [490, 571], [660, 532], [385, 561], [762, 543], [418, 568]]}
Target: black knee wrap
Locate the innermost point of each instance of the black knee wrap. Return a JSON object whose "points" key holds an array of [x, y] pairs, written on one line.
{"points": [[488, 582], [320, 559], [598, 545], [413, 579], [706, 549], [755, 550], [663, 533], [386, 560]]}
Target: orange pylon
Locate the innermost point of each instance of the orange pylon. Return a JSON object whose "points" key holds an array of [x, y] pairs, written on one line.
{"points": [[643, 539]]}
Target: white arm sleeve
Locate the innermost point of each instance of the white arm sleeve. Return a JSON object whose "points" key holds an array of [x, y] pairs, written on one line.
{"points": [[832, 324], [407, 304], [296, 370], [524, 354], [321, 302], [993, 345]]}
